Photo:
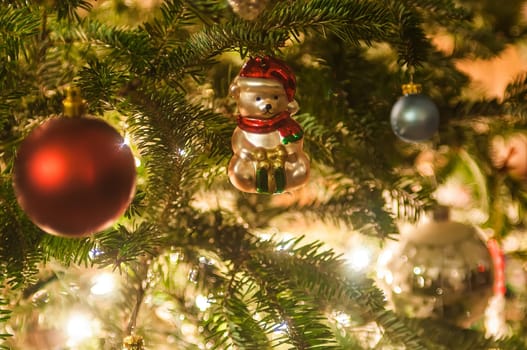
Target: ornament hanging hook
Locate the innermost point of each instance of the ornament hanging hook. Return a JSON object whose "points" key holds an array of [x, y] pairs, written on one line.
{"points": [[411, 88], [411, 71]]}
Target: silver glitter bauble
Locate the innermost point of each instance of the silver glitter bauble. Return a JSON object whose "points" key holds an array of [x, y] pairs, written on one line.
{"points": [[248, 9], [414, 117], [442, 269]]}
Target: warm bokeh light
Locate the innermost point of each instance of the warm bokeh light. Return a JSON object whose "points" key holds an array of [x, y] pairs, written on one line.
{"points": [[80, 327], [359, 258], [103, 284], [202, 302], [343, 319]]}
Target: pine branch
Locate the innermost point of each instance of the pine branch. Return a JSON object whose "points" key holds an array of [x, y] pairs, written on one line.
{"points": [[492, 29], [359, 206], [281, 277], [167, 32], [5, 315], [319, 275], [511, 343], [319, 272], [121, 246], [477, 43], [468, 110], [171, 134], [399, 332], [352, 20], [411, 43], [298, 319], [17, 27], [443, 11], [406, 203], [207, 11], [319, 140], [515, 100], [66, 250], [231, 323], [68, 9], [101, 83], [130, 49], [51, 70], [19, 255]]}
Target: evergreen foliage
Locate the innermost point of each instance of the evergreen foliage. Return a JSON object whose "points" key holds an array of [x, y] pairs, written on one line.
{"points": [[161, 78]]}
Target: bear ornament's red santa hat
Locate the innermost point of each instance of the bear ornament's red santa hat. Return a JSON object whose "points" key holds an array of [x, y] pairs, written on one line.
{"points": [[267, 68]]}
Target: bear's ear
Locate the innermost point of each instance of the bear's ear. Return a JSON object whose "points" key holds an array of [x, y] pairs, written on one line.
{"points": [[234, 89], [293, 107]]}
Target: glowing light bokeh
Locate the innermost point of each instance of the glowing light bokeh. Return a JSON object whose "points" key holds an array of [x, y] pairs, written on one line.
{"points": [[103, 284], [79, 327]]}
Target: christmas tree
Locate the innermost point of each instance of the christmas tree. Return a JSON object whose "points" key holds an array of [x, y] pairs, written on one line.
{"points": [[217, 247]]}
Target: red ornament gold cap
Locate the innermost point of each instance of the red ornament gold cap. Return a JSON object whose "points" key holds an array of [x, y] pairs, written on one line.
{"points": [[73, 105], [271, 68]]}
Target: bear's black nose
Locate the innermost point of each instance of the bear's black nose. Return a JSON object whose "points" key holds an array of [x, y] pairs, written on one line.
{"points": [[268, 106]]}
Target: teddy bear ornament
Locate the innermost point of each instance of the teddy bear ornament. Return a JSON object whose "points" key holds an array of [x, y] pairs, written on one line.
{"points": [[267, 143]]}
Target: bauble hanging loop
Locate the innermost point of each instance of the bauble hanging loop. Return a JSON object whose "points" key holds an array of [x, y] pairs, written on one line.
{"points": [[74, 175], [414, 117]]}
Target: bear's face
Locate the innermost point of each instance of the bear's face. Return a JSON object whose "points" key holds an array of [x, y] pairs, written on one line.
{"points": [[260, 98]]}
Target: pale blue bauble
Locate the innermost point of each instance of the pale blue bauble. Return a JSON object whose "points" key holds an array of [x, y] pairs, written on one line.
{"points": [[414, 118]]}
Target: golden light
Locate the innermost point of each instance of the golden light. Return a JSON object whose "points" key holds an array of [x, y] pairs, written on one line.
{"points": [[103, 284], [80, 327]]}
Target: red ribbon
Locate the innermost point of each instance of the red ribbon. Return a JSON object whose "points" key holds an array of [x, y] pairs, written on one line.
{"points": [[288, 128]]}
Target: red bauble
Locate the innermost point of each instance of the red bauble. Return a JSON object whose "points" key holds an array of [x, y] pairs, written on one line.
{"points": [[74, 176]]}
